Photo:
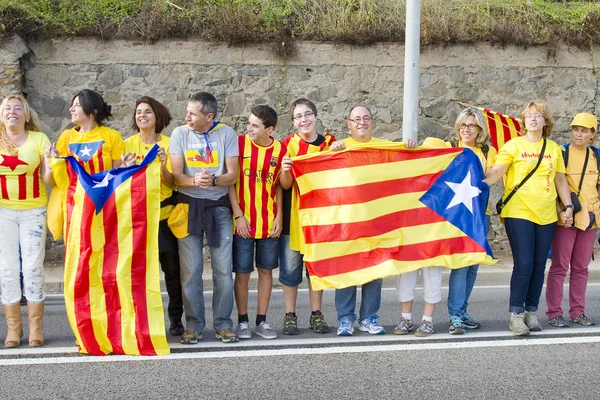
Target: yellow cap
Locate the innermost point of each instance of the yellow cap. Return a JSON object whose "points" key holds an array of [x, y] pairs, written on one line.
{"points": [[435, 143], [178, 220], [586, 120]]}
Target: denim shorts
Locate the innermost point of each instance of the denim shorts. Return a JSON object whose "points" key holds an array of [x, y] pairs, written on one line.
{"points": [[267, 251], [291, 263]]}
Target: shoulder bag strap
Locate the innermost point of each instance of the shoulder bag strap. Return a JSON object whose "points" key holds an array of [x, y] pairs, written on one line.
{"points": [[512, 193]]}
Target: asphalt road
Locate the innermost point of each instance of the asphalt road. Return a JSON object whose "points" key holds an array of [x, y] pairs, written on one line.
{"points": [[489, 363]]}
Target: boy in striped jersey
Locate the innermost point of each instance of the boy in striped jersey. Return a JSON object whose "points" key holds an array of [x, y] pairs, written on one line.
{"points": [[256, 201]]}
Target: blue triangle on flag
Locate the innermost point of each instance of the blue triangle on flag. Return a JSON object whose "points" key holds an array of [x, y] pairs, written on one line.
{"points": [[99, 187], [460, 196], [85, 151]]}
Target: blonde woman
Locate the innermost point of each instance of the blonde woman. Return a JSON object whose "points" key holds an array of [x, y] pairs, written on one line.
{"points": [[470, 131], [23, 172], [530, 215]]}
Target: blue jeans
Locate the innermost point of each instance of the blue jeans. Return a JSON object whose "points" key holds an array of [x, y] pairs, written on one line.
{"points": [[461, 284], [291, 263], [244, 254], [191, 260], [345, 301], [529, 243]]}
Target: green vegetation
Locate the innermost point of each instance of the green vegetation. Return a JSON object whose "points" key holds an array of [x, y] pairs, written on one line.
{"points": [[521, 22]]}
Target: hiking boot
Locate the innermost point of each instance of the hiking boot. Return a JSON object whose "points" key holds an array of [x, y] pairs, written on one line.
{"points": [[226, 335], [517, 325], [345, 329], [264, 331], [290, 324], [371, 325], [532, 322], [190, 336], [318, 324], [243, 331], [558, 322], [468, 322], [403, 327], [456, 325], [583, 320], [425, 329]]}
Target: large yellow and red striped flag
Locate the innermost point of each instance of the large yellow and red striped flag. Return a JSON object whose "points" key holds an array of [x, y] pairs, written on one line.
{"points": [[502, 127], [379, 210], [112, 282]]}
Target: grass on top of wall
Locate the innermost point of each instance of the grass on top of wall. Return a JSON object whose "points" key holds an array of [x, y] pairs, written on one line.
{"points": [[520, 22]]}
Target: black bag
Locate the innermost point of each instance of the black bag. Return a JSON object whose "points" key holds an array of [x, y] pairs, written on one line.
{"points": [[502, 202]]}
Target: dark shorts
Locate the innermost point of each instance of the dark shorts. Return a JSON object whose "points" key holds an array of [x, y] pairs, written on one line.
{"points": [[267, 251]]}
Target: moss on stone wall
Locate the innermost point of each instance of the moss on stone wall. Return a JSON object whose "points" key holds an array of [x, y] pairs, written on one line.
{"points": [[521, 22]]}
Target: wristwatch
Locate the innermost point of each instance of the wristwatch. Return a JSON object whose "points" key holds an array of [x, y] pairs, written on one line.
{"points": [[569, 206], [214, 183]]}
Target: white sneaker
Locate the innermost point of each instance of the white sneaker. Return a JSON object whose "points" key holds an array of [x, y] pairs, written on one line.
{"points": [[371, 325]]}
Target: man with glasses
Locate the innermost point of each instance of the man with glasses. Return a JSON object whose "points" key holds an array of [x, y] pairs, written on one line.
{"points": [[360, 124], [204, 157]]}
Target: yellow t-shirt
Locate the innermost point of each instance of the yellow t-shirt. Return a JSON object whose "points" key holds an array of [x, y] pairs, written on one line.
{"points": [[94, 150], [21, 185], [349, 142], [135, 145], [485, 162], [536, 199]]}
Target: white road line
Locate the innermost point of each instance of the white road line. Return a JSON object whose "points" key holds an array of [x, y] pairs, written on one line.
{"points": [[334, 345], [385, 289], [306, 351]]}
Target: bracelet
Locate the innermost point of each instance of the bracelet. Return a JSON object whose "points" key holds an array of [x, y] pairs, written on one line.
{"points": [[238, 217], [569, 206]]}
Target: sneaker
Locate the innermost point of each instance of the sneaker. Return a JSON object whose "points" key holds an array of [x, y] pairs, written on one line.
{"points": [[243, 331], [345, 329], [403, 327], [290, 324], [468, 322], [532, 322], [371, 325], [226, 335], [517, 325], [264, 331], [176, 328], [558, 322], [456, 325], [318, 324], [190, 336], [425, 329], [583, 320]]}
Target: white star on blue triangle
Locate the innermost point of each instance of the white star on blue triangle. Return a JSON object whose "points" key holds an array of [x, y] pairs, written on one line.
{"points": [[99, 187], [460, 196], [85, 151]]}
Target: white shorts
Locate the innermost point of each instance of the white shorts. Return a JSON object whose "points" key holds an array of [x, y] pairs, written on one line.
{"points": [[432, 285]]}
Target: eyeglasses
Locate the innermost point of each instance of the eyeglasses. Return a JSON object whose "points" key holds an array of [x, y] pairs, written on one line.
{"points": [[470, 127], [534, 116], [358, 120], [307, 114]]}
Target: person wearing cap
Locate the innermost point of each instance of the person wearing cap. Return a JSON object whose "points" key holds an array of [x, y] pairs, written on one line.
{"points": [[573, 247]]}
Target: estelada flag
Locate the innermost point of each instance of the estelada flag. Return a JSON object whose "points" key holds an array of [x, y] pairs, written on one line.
{"points": [[502, 127], [380, 210], [112, 282]]}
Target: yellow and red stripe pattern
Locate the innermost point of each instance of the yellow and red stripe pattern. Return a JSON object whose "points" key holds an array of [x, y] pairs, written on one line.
{"points": [[502, 127], [363, 218], [112, 282], [259, 173], [296, 146]]}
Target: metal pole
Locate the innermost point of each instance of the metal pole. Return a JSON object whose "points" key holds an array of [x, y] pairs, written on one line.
{"points": [[410, 114]]}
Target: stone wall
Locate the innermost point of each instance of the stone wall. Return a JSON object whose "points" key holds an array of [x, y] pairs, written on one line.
{"points": [[335, 77]]}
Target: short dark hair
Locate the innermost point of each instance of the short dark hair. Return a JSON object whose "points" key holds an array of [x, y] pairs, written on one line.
{"points": [[266, 114], [92, 103], [304, 102], [163, 116], [207, 101]]}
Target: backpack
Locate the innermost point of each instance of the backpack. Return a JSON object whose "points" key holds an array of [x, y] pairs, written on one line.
{"points": [[565, 151]]}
